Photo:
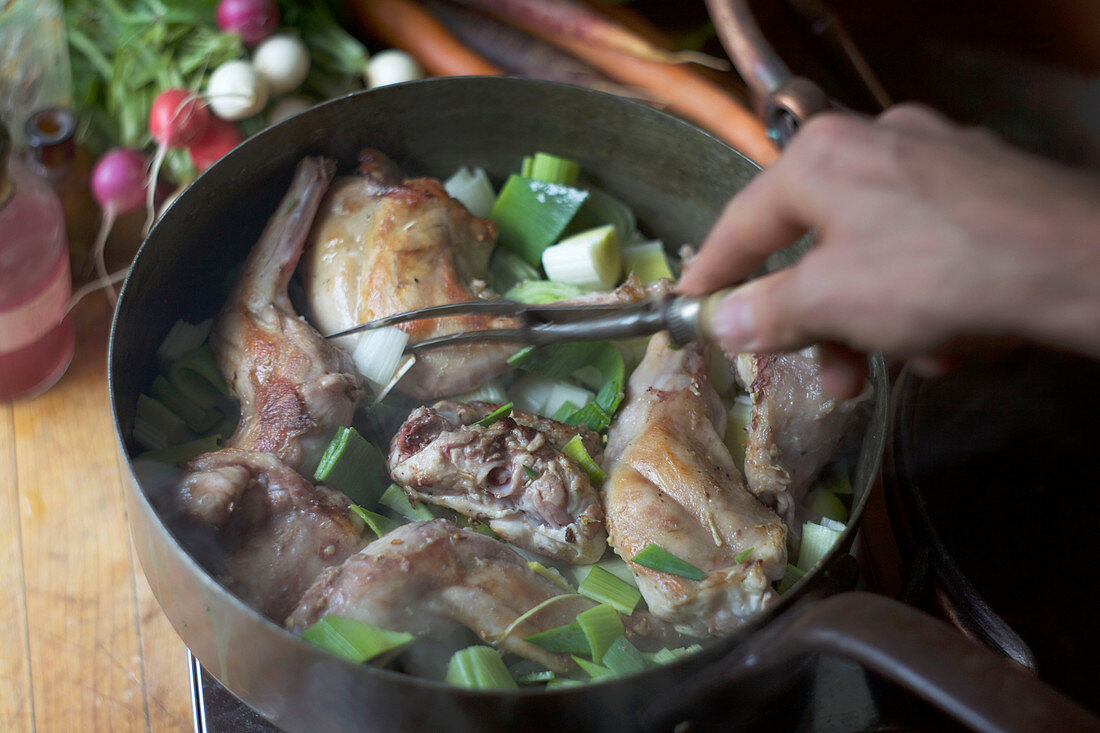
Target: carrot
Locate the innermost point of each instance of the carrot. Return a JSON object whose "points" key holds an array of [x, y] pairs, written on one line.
{"points": [[404, 24], [685, 92], [577, 21]]}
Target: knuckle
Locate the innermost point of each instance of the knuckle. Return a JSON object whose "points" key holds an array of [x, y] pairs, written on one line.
{"points": [[916, 116]]}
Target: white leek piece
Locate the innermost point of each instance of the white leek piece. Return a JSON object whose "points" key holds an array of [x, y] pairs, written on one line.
{"points": [[183, 338], [738, 419], [647, 260], [531, 391], [591, 259], [378, 353], [563, 392], [472, 189], [491, 391], [817, 540]]}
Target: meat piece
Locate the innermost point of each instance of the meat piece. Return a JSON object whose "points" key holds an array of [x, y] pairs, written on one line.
{"points": [[557, 433], [425, 576], [794, 428], [384, 244], [671, 481], [277, 530], [507, 474], [295, 388]]}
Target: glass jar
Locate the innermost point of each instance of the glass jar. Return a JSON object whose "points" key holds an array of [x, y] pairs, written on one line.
{"points": [[36, 335]]}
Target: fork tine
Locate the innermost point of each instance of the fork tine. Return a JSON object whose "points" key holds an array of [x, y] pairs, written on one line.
{"points": [[486, 307]]}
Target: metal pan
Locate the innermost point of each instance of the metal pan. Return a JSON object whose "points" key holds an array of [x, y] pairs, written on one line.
{"points": [[677, 178]]}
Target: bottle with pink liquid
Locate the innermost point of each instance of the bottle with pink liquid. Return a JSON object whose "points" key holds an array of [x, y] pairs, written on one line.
{"points": [[36, 335]]}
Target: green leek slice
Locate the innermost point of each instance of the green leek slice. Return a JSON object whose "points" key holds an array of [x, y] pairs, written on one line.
{"points": [[738, 419], [531, 215], [744, 555], [552, 169], [623, 658], [537, 677], [197, 376], [647, 260], [591, 416], [824, 503], [479, 667], [575, 451], [395, 499], [557, 361], [601, 625], [817, 540], [353, 640], [602, 586], [507, 269], [179, 455], [567, 639], [792, 576], [198, 419], [352, 465], [655, 557], [377, 523], [155, 426], [666, 655], [540, 292], [595, 671], [503, 411], [550, 574]]}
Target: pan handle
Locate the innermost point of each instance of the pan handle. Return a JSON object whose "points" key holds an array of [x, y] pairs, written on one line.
{"points": [[925, 656]]}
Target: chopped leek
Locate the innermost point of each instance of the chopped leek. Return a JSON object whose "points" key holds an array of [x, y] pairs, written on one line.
{"points": [[609, 362], [531, 473], [183, 338], [197, 419], [378, 353], [738, 419], [823, 503], [503, 411], [179, 455], [507, 269], [531, 391], [564, 682], [353, 640], [538, 292], [817, 540], [395, 499], [155, 426], [603, 208], [594, 671], [601, 626], [551, 168], [658, 558], [838, 481], [792, 576], [647, 260], [479, 667], [564, 393], [537, 677], [591, 416], [575, 451], [602, 586], [375, 522], [564, 411], [550, 574], [490, 391], [743, 556], [591, 259], [666, 655], [197, 376], [832, 524], [557, 361], [613, 564], [531, 215], [567, 639], [623, 658], [472, 189], [352, 465]]}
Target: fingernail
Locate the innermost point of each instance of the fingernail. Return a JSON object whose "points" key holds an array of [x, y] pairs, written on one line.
{"points": [[732, 323]]}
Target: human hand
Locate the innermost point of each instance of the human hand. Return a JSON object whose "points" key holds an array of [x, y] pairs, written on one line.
{"points": [[926, 233]]}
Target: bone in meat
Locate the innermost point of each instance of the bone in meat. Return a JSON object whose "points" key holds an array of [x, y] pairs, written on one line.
{"points": [[671, 481]]}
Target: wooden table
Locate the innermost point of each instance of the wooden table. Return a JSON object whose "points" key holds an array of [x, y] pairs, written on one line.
{"points": [[84, 645]]}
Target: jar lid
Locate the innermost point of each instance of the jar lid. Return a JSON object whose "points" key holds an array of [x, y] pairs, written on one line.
{"points": [[50, 126]]}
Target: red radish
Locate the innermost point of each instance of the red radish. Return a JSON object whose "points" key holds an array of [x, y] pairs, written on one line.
{"points": [[252, 20], [118, 186], [178, 117], [221, 137]]}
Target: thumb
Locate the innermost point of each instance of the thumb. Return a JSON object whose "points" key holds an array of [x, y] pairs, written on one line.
{"points": [[762, 315]]}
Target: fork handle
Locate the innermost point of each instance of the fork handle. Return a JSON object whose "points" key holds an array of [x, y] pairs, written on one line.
{"points": [[688, 319]]}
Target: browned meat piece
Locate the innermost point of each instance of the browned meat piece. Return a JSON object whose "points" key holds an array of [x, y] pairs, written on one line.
{"points": [[384, 244], [671, 481], [295, 388], [557, 433], [794, 428], [277, 530], [506, 474], [425, 576]]}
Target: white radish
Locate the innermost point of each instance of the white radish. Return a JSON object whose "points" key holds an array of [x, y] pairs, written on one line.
{"points": [[235, 91], [283, 62], [286, 108], [392, 66]]}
